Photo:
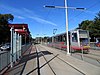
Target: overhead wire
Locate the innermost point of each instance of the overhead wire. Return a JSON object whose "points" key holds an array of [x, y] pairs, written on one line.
{"points": [[49, 12], [87, 8]]}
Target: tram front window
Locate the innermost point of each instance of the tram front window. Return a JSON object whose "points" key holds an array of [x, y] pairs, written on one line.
{"points": [[74, 37], [84, 41]]}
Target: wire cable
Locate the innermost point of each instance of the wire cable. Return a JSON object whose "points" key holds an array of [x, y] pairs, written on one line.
{"points": [[88, 8]]}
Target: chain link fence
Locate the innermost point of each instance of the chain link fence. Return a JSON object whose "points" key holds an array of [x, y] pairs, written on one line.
{"points": [[5, 57]]}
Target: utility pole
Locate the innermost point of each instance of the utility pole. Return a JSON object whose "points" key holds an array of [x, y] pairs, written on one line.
{"points": [[67, 35], [66, 15]]}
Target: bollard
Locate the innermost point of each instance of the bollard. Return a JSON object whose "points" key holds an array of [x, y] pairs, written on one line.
{"points": [[82, 52]]}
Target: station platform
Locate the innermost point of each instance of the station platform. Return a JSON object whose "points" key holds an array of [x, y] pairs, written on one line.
{"points": [[28, 64]]}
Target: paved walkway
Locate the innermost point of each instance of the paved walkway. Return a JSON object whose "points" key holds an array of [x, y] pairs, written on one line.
{"points": [[28, 64], [20, 67], [82, 66], [96, 52]]}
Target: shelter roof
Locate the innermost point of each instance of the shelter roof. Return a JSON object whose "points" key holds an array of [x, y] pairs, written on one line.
{"points": [[18, 25], [20, 28]]}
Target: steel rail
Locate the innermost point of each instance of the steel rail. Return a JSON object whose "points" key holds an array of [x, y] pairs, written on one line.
{"points": [[68, 64], [38, 64], [47, 61]]}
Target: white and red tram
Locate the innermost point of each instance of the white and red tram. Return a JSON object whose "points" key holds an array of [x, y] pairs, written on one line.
{"points": [[78, 39]]}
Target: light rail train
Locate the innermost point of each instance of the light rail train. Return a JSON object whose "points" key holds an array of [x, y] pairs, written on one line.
{"points": [[78, 40]]}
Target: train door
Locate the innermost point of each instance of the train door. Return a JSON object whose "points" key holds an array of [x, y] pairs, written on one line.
{"points": [[74, 38], [84, 38]]}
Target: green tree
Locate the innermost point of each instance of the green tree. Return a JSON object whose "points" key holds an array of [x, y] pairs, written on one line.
{"points": [[5, 19], [92, 26], [85, 24], [97, 25], [97, 18]]}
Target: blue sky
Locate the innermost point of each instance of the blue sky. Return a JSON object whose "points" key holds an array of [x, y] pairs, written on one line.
{"points": [[42, 20]]}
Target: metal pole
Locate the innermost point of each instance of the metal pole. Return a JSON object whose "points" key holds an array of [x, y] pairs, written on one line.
{"points": [[82, 53], [54, 31], [25, 39], [67, 37], [66, 11], [52, 38], [15, 44], [20, 45], [11, 52]]}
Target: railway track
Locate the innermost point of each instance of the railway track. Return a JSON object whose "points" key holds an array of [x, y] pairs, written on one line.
{"points": [[50, 62], [92, 56], [47, 60], [38, 68], [58, 58]]}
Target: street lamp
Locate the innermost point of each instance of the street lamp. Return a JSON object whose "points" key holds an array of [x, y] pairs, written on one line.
{"points": [[54, 31], [66, 12], [37, 38]]}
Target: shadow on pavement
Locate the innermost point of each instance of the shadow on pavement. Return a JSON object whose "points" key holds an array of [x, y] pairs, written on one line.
{"points": [[20, 66], [33, 55]]}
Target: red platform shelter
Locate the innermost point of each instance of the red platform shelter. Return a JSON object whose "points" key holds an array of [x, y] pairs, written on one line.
{"points": [[20, 28], [19, 35]]}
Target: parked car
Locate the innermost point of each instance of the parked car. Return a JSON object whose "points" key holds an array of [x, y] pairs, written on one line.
{"points": [[98, 44], [5, 47]]}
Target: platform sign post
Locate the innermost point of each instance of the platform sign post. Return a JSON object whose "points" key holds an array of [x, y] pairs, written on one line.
{"points": [[82, 57]]}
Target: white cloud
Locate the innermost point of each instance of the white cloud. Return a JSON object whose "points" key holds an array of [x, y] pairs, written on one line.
{"points": [[42, 21], [26, 13], [90, 12], [10, 9], [16, 12], [20, 17]]}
